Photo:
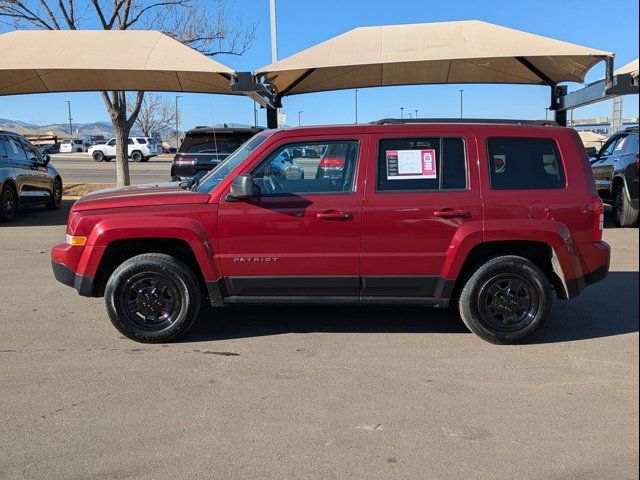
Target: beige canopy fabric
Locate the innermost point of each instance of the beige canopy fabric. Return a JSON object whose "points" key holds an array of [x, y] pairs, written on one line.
{"points": [[592, 139], [430, 53], [631, 67], [81, 60]]}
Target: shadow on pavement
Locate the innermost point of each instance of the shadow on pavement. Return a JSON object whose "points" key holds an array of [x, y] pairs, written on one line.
{"points": [[605, 309], [39, 216]]}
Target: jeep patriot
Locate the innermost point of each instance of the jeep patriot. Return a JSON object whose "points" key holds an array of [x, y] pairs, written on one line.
{"points": [[490, 218]]}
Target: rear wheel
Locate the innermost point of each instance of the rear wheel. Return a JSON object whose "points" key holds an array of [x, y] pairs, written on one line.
{"points": [[137, 156], [626, 215], [152, 298], [98, 156], [56, 195], [507, 300], [8, 203]]}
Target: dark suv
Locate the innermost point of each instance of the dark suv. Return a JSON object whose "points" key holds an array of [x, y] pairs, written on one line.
{"points": [[26, 178], [615, 169], [204, 147], [491, 218]]}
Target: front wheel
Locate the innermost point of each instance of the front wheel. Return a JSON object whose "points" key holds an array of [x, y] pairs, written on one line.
{"points": [[626, 215], [56, 195], [152, 298], [8, 203], [506, 301], [98, 156]]}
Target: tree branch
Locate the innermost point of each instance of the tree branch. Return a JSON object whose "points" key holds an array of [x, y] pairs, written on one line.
{"points": [[135, 110]]}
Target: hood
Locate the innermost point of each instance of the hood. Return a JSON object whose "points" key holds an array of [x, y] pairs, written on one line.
{"points": [[147, 195]]}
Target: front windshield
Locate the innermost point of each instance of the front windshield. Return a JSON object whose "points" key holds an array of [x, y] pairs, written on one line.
{"points": [[229, 164]]}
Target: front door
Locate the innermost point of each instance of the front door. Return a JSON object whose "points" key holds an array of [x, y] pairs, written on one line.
{"points": [[299, 236], [421, 190]]}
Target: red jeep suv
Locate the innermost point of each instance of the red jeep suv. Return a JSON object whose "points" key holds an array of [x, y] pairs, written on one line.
{"points": [[491, 217]]}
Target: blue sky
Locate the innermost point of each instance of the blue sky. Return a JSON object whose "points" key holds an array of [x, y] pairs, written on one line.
{"points": [[611, 26]]}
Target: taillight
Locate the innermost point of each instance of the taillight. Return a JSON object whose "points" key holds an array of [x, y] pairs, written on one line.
{"points": [[184, 161], [598, 219], [329, 162], [637, 160]]}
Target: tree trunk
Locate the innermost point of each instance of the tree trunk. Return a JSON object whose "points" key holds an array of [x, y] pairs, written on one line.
{"points": [[122, 152]]}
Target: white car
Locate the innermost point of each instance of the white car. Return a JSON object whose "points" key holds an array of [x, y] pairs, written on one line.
{"points": [[69, 145], [141, 149]]}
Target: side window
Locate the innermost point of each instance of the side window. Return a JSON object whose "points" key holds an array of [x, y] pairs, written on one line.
{"points": [[288, 171], [129, 141], [32, 152], [112, 142], [632, 144], [525, 164], [410, 164], [141, 141], [14, 149], [609, 147], [3, 149]]}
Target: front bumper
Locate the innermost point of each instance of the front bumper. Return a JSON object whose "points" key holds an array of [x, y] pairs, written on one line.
{"points": [[63, 274]]}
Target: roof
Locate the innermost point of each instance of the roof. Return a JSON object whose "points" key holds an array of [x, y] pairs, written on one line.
{"points": [[51, 61], [631, 67], [206, 129], [431, 53]]}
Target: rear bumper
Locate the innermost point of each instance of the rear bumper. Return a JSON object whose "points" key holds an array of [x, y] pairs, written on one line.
{"points": [[599, 256], [63, 274]]}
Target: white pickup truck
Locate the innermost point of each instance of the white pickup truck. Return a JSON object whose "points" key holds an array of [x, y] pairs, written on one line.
{"points": [[141, 149]]}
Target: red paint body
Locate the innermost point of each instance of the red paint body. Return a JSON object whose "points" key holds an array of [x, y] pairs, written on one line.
{"points": [[365, 233]]}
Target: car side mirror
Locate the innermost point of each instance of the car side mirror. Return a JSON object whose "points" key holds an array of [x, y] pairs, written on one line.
{"points": [[242, 187], [46, 158], [591, 151]]}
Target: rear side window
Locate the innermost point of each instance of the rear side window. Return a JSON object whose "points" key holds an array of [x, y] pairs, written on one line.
{"points": [[14, 148], [3, 150], [421, 164], [525, 164], [210, 144], [141, 141], [631, 146]]}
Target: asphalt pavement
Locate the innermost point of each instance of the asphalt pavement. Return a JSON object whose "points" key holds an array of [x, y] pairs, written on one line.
{"points": [[80, 168], [311, 393]]}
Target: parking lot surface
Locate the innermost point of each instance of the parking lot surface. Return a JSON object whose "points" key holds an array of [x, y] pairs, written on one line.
{"points": [[331, 393], [80, 168]]}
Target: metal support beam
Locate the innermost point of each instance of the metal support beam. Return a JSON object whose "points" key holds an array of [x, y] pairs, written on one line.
{"points": [[623, 84], [272, 117], [246, 83]]}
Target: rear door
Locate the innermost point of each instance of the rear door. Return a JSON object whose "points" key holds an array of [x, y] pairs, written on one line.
{"points": [[422, 189], [26, 178], [605, 165], [300, 234]]}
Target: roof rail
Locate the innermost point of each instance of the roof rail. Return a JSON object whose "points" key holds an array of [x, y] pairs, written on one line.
{"points": [[401, 121]]}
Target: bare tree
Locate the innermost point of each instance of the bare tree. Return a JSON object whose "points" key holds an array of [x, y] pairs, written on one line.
{"points": [[188, 21], [156, 115]]}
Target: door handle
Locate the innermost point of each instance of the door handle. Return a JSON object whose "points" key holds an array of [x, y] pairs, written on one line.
{"points": [[452, 213], [334, 215]]}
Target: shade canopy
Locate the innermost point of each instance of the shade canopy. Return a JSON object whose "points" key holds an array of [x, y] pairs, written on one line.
{"points": [[592, 139], [631, 67], [81, 60], [430, 53]]}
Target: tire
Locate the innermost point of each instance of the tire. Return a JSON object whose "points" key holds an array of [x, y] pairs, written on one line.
{"points": [[78, 150], [626, 215], [108, 159], [489, 308], [8, 203], [175, 287], [56, 196], [137, 156], [98, 156], [145, 159]]}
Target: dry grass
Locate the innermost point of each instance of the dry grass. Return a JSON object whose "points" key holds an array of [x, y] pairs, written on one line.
{"points": [[73, 191]]}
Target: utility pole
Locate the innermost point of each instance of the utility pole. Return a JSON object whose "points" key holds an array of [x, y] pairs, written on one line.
{"points": [[356, 91], [70, 127], [177, 124], [255, 114], [299, 114], [546, 113], [273, 114], [401, 112], [461, 92]]}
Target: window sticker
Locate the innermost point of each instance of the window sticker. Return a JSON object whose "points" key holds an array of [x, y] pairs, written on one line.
{"points": [[411, 164], [620, 144]]}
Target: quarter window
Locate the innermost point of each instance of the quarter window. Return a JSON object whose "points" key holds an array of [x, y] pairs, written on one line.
{"points": [[525, 164], [416, 164], [291, 169]]}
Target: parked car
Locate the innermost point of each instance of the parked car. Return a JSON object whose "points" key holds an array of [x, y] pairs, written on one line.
{"points": [[69, 145], [49, 149], [205, 147], [492, 218], [140, 149], [615, 169], [26, 177]]}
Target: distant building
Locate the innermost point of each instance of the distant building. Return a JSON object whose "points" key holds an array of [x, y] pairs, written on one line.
{"points": [[601, 125]]}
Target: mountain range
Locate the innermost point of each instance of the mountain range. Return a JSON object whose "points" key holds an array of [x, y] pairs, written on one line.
{"points": [[61, 129]]}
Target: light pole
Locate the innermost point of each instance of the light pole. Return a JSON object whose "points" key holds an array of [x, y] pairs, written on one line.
{"points": [[177, 123], [356, 91], [416, 112], [401, 112], [299, 115], [255, 114], [409, 115], [546, 113], [461, 92], [274, 32], [70, 127]]}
